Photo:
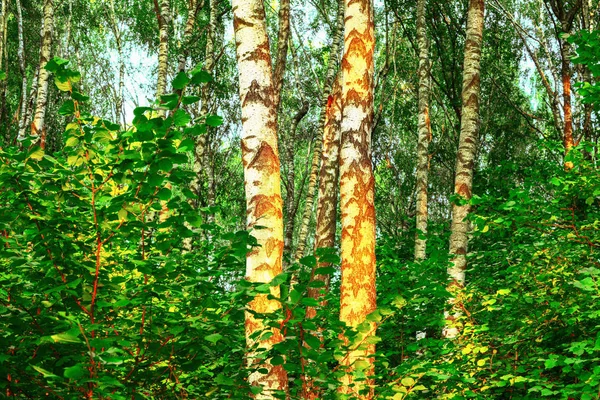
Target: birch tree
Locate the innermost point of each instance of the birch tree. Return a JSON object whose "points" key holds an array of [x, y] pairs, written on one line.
{"points": [[424, 131], [162, 10], [21, 56], [261, 181], [37, 125], [465, 160], [357, 187], [332, 66]]}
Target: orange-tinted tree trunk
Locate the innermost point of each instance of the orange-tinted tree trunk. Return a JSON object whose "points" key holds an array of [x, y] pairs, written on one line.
{"points": [[261, 181], [357, 186]]}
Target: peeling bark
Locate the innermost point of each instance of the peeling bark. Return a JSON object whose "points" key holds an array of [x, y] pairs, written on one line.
{"points": [[465, 159], [261, 181], [38, 128], [424, 132], [357, 192]]}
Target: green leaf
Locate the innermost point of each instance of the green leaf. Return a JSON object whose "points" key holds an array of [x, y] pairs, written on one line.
{"points": [[165, 165], [214, 120], [200, 76], [295, 296], [65, 338], [180, 81], [190, 99], [68, 108], [277, 360], [279, 279], [313, 341], [164, 194], [181, 118], [309, 261], [74, 372], [37, 153], [45, 373], [408, 381], [223, 380], [141, 110], [214, 338]]}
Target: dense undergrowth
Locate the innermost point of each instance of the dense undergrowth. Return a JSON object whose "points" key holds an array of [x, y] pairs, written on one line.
{"points": [[112, 285]]}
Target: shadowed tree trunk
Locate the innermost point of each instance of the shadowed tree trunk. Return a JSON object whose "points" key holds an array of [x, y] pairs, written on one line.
{"points": [[357, 192], [326, 210], [21, 56], [262, 184], [193, 7], [565, 19], [424, 132], [290, 199], [465, 159], [282, 49], [38, 128], [332, 66]]}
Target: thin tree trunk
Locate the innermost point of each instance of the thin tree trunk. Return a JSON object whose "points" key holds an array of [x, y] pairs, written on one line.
{"points": [[357, 193], [289, 204], [465, 159], [328, 185], [3, 68], [262, 184], [568, 141], [119, 111], [187, 34], [31, 100], [207, 139], [163, 16], [282, 48], [201, 155], [566, 18], [21, 56], [332, 66], [38, 127], [424, 134], [326, 211]]}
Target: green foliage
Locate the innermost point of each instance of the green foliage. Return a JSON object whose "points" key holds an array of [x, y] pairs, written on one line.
{"points": [[99, 296]]}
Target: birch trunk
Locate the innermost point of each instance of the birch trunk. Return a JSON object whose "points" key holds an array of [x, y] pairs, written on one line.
{"points": [[21, 56], [326, 211], [31, 100], [163, 16], [424, 132], [187, 34], [467, 147], [282, 48], [290, 184], [332, 66], [201, 155], [119, 111], [357, 192], [262, 183], [328, 189], [38, 128]]}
